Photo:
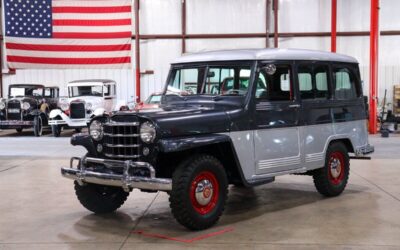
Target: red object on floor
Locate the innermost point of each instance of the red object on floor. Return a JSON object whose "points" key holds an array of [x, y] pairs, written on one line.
{"points": [[201, 237]]}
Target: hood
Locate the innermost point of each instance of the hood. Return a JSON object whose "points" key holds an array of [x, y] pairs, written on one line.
{"points": [[185, 120]]}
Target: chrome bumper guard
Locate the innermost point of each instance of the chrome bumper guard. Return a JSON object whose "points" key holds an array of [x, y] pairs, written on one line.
{"points": [[126, 181], [364, 150], [16, 123]]}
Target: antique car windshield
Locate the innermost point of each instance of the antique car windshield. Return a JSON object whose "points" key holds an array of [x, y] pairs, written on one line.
{"points": [[76, 91], [219, 80], [25, 91]]}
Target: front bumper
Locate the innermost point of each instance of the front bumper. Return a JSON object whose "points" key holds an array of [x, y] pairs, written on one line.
{"points": [[364, 150], [4, 124], [125, 180]]}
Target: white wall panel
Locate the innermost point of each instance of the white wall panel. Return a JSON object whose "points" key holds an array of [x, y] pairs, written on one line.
{"points": [[157, 55], [304, 16], [198, 45], [225, 16], [160, 17]]}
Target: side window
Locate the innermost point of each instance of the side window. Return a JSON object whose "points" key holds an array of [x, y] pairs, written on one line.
{"points": [[274, 83], [227, 81], [313, 81], [344, 84], [47, 92]]}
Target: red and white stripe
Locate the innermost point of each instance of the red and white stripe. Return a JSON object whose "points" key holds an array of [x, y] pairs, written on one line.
{"points": [[86, 34]]}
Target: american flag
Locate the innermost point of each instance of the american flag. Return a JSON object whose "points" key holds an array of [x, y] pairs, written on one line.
{"points": [[68, 34]]}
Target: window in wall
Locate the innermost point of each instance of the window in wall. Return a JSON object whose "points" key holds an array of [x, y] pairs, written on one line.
{"points": [[344, 80], [274, 83]]}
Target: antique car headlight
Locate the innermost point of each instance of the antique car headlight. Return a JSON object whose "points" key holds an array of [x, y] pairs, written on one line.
{"points": [[147, 132], [25, 105], [96, 130], [88, 106], [64, 106], [2, 105]]}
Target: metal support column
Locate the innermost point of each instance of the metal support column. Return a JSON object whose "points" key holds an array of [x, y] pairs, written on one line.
{"points": [[373, 71], [333, 25], [183, 19], [276, 23], [137, 50]]}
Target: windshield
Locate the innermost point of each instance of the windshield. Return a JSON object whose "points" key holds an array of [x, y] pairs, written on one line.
{"points": [[76, 91], [219, 80], [154, 99], [25, 91]]}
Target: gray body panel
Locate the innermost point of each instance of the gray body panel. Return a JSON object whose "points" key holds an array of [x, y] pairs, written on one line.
{"points": [[271, 152]]}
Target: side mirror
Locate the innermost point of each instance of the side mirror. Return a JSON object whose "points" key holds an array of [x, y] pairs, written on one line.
{"points": [[210, 74]]}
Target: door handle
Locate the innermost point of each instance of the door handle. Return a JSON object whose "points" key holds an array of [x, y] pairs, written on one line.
{"points": [[294, 106]]}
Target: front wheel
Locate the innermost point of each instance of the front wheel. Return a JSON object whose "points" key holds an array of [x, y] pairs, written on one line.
{"points": [[100, 199], [38, 126], [332, 179], [199, 192]]}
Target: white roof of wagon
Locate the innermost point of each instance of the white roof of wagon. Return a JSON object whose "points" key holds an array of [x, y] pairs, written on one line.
{"points": [[264, 54], [91, 82]]}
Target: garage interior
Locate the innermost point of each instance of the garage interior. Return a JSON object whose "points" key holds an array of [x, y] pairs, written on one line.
{"points": [[39, 210]]}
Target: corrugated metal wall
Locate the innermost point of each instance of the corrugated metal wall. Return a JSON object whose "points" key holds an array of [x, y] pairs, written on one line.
{"points": [[241, 16]]}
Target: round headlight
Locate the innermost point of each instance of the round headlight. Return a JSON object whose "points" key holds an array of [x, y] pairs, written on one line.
{"points": [[96, 130], [64, 106], [147, 132], [25, 105], [2, 105], [88, 106]]}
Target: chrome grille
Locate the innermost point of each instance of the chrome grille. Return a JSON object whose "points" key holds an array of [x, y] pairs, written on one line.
{"points": [[121, 140], [16, 106], [77, 110]]}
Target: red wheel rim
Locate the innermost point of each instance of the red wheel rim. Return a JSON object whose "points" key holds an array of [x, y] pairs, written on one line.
{"points": [[204, 192], [336, 168]]}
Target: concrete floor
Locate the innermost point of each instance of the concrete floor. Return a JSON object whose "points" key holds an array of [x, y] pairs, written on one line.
{"points": [[39, 210]]}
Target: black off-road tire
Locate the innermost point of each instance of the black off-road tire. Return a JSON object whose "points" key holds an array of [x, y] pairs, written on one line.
{"points": [[19, 130], [56, 130], [327, 183], [100, 199], [183, 202], [38, 126]]}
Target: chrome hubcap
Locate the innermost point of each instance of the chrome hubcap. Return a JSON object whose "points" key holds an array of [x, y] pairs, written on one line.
{"points": [[204, 192], [336, 168]]}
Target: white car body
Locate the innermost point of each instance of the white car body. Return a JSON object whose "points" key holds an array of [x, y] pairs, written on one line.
{"points": [[105, 102]]}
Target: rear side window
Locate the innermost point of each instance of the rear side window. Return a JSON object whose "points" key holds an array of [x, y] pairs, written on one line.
{"points": [[274, 83], [344, 84], [313, 81]]}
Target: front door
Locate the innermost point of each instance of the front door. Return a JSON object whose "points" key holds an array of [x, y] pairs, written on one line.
{"points": [[276, 137]]}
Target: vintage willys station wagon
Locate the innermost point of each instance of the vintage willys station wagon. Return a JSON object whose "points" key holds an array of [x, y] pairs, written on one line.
{"points": [[248, 116]]}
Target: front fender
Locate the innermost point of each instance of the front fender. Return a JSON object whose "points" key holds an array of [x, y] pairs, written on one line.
{"points": [[98, 112], [84, 140], [184, 143], [55, 112]]}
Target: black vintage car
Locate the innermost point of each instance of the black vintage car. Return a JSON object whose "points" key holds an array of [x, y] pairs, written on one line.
{"points": [[247, 117], [27, 106]]}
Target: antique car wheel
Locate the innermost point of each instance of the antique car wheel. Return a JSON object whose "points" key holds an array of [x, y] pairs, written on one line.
{"points": [[19, 130], [100, 199], [38, 126], [56, 130], [331, 180], [199, 192]]}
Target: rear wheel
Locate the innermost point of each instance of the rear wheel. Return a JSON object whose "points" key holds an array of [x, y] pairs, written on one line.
{"points": [[199, 192], [38, 126], [100, 199], [56, 130], [332, 179]]}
